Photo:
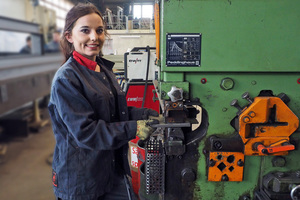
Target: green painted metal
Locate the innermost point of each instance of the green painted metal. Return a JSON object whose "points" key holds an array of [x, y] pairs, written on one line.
{"points": [[237, 35], [256, 43], [217, 102]]}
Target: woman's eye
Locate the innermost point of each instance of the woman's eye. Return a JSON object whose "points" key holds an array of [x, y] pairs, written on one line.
{"points": [[85, 30], [100, 30]]}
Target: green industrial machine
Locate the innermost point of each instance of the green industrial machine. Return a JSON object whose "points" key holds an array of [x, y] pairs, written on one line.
{"points": [[229, 88]]}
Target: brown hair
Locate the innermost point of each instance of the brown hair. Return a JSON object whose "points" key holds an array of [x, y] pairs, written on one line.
{"points": [[79, 10]]}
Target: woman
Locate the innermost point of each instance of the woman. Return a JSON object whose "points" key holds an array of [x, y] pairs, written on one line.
{"points": [[91, 121]]}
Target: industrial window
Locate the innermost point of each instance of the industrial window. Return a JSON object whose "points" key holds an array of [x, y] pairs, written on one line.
{"points": [[61, 7], [142, 11]]}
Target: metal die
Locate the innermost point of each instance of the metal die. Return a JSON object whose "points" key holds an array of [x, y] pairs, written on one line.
{"points": [[226, 166]]}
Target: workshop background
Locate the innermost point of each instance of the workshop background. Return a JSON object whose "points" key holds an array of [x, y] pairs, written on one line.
{"points": [[224, 74], [26, 138]]}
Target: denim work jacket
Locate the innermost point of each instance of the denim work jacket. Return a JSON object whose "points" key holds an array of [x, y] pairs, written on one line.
{"points": [[82, 108]]}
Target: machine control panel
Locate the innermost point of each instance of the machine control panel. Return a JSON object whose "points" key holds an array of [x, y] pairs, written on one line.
{"points": [[183, 49]]}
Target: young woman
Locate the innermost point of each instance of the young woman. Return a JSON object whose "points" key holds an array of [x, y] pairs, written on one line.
{"points": [[91, 121]]}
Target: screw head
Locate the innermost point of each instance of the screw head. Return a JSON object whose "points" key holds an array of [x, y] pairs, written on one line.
{"points": [[246, 119], [212, 162], [225, 177], [264, 151], [252, 114], [218, 145], [240, 163], [245, 95]]}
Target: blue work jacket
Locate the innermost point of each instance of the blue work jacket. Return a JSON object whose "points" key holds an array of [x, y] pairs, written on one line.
{"points": [[82, 108]]}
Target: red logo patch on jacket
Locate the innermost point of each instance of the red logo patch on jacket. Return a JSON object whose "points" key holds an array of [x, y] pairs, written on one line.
{"points": [[54, 178]]}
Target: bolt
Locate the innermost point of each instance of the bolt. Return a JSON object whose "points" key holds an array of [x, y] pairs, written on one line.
{"points": [[264, 151], [235, 103], [253, 82], [218, 145], [247, 97], [227, 83], [246, 119], [240, 163], [212, 163], [224, 109], [225, 177], [252, 114], [284, 98]]}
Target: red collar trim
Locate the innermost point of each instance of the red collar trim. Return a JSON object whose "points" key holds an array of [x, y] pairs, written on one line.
{"points": [[84, 61]]}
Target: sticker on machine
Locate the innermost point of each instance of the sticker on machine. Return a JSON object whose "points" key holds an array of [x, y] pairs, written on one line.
{"points": [[183, 49], [134, 156]]}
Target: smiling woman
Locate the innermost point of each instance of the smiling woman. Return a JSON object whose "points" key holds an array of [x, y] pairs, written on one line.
{"points": [[90, 118]]}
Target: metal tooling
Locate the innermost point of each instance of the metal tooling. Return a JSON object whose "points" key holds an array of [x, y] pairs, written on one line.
{"points": [[216, 52], [25, 79]]}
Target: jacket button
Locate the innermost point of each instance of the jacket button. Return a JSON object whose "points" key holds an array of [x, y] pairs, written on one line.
{"points": [[123, 113], [110, 92], [104, 77]]}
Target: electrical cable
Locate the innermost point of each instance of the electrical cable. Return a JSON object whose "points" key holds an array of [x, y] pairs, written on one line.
{"points": [[147, 72]]}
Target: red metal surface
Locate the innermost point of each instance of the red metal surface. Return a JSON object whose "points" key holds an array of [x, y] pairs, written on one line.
{"points": [[135, 95]]}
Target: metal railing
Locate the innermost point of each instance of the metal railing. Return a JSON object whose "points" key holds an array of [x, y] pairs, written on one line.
{"points": [[124, 22]]}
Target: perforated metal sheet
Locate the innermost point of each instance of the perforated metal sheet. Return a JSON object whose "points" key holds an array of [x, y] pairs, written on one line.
{"points": [[155, 167]]}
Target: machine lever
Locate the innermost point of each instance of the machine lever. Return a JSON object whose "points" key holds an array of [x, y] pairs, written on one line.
{"points": [[274, 149]]}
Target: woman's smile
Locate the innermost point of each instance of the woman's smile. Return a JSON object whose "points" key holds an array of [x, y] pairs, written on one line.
{"points": [[92, 46]]}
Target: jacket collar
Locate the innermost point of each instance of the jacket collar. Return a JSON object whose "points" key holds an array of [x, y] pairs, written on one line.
{"points": [[92, 64], [84, 61], [107, 63]]}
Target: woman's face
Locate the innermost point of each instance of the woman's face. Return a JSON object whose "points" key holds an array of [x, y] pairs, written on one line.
{"points": [[87, 35]]}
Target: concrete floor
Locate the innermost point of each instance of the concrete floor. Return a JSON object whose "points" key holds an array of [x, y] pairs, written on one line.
{"points": [[24, 171]]}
